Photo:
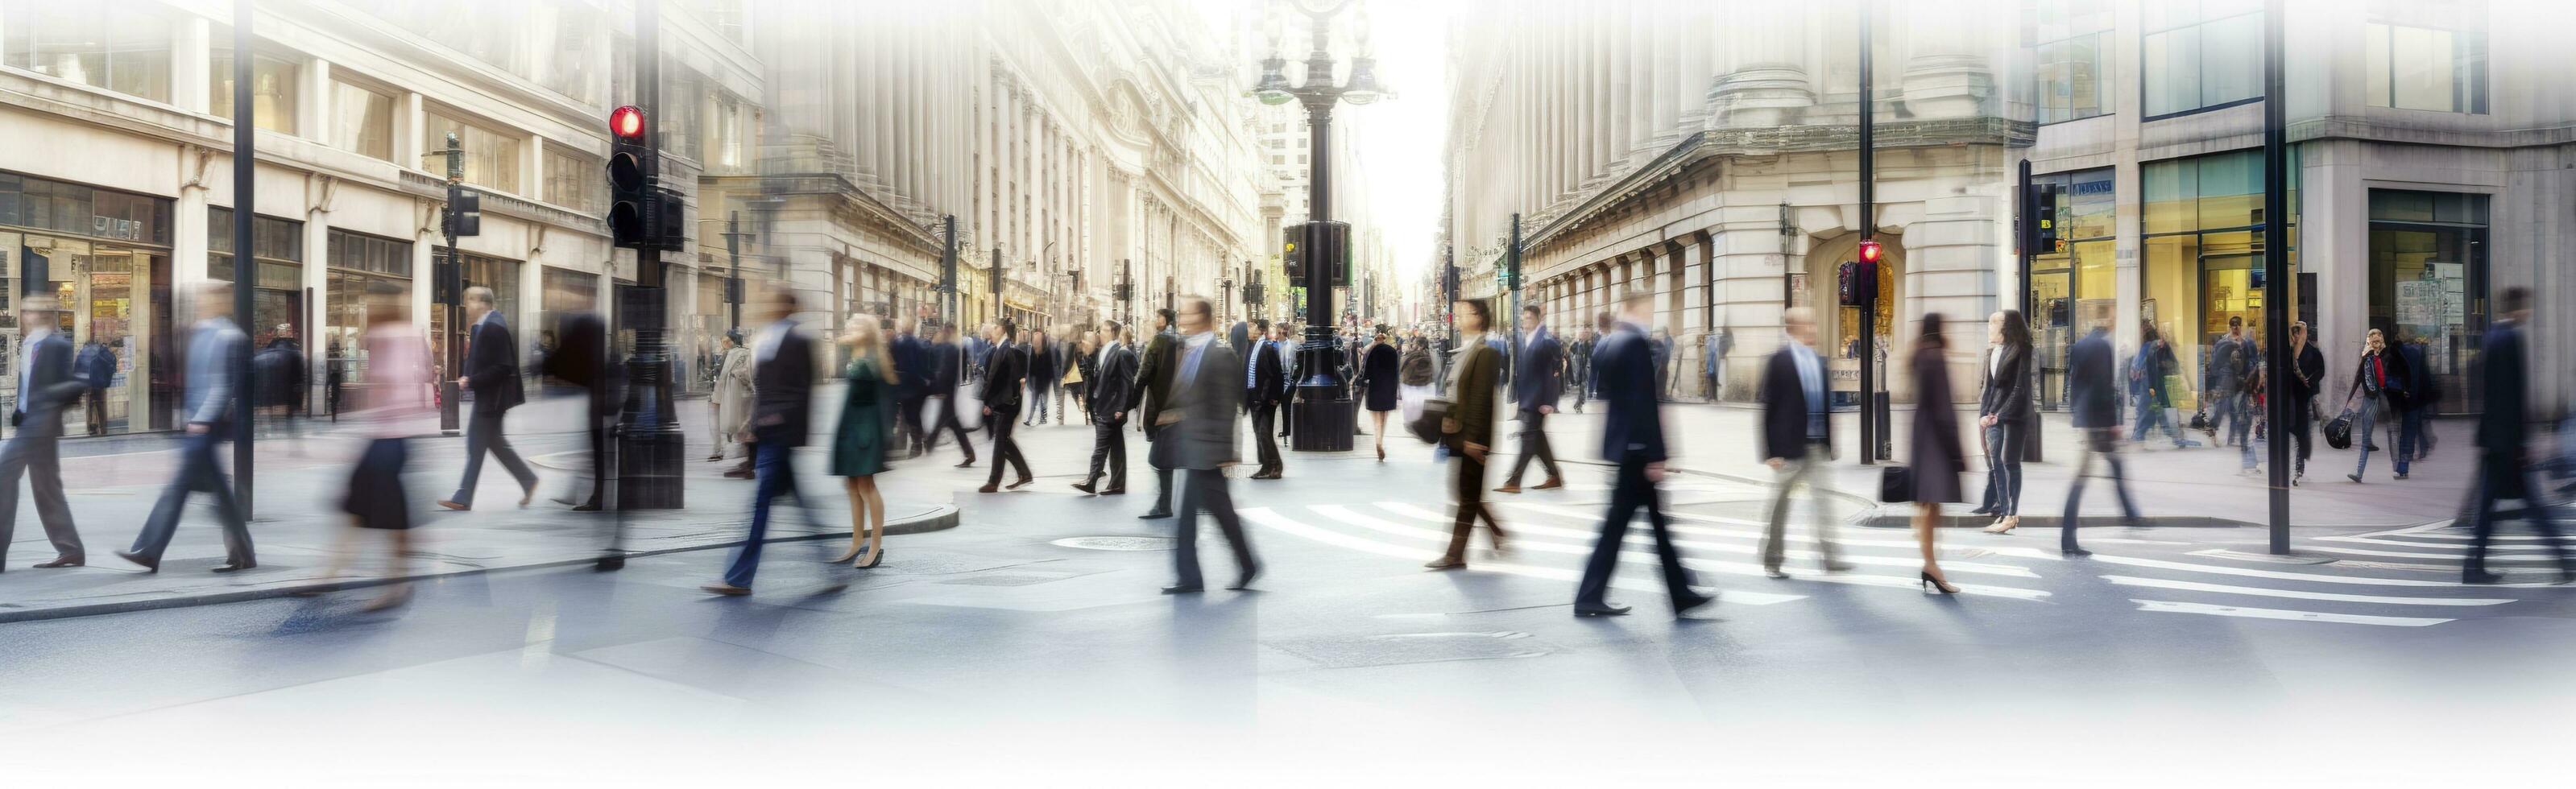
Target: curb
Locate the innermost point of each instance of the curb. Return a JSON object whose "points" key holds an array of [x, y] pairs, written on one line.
{"points": [[939, 518]]}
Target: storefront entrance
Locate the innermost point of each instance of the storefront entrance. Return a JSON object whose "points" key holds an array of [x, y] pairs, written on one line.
{"points": [[2428, 284], [106, 258]]}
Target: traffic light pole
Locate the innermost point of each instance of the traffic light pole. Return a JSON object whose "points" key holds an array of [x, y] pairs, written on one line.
{"points": [[2276, 278], [245, 272], [948, 270], [451, 292], [649, 444], [1871, 443]]}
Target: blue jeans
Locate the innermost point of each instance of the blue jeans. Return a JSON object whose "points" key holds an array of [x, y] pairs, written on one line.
{"points": [[2410, 436], [775, 475], [2239, 408], [2362, 419], [2003, 468], [2151, 413]]}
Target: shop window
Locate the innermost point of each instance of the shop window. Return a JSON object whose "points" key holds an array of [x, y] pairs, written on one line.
{"points": [[117, 45], [2420, 68], [362, 120]]}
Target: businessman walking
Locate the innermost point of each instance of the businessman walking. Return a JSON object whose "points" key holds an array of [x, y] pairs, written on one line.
{"points": [[492, 372], [1154, 386], [782, 414], [1112, 388], [1264, 385], [1538, 382], [1199, 438], [216, 350], [45, 388], [1005, 374], [1632, 436]]}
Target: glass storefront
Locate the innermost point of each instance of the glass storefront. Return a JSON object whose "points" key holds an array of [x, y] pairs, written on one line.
{"points": [[567, 292], [2204, 254], [277, 246], [2428, 283], [357, 261], [2075, 283], [106, 255], [502, 276]]}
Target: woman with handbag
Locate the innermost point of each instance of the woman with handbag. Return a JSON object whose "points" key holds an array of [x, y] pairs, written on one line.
{"points": [[2004, 416], [1468, 430], [1936, 457], [2370, 384]]}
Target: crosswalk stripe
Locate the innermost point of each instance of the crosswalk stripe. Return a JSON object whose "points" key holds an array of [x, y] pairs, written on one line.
{"points": [[2195, 586], [1635, 535], [2461, 537], [1274, 520], [1798, 536], [2285, 576], [2461, 552], [2275, 613]]}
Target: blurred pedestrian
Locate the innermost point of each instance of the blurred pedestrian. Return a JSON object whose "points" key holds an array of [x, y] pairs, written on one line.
{"points": [[2224, 382], [492, 373], [1537, 384], [46, 386], [96, 370], [1719, 345], [1264, 390], [1112, 393], [1038, 367], [864, 435], [1199, 439], [384, 410], [581, 359], [1937, 457], [1006, 374], [2367, 398], [1632, 436], [1579, 368], [2096, 408], [2004, 417], [1080, 365], [217, 349], [1797, 439], [2404, 396], [950, 364], [910, 355], [1381, 375], [782, 413], [2504, 460], [1468, 431], [1416, 375], [2309, 364], [280, 371], [2151, 376], [1154, 389]]}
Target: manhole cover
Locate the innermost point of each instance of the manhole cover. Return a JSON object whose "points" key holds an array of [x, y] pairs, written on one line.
{"points": [[1117, 543]]}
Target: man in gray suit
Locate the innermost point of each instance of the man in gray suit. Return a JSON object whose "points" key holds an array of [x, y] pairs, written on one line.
{"points": [[217, 349], [45, 386], [1198, 437]]}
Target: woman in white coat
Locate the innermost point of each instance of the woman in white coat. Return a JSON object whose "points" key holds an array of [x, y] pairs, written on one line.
{"points": [[731, 400]]}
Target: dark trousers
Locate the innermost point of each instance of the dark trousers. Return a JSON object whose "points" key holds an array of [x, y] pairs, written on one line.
{"points": [[1162, 490], [2302, 418], [1005, 450], [1203, 490], [1286, 415], [2003, 467], [197, 471], [39, 459], [483, 434], [1533, 445], [96, 399], [775, 472], [1108, 449], [1264, 415], [907, 422], [2504, 475], [2095, 443], [1467, 486], [1631, 492], [948, 423], [600, 419]]}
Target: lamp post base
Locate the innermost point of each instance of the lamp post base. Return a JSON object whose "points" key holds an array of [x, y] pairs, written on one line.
{"points": [[1324, 422]]}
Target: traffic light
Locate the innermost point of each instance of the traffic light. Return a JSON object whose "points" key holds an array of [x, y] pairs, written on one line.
{"points": [[2043, 216], [1856, 282], [641, 214], [1331, 247], [1292, 255]]}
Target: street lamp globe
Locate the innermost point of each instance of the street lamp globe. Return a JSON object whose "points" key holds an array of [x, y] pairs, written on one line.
{"points": [[1273, 88], [1363, 87]]}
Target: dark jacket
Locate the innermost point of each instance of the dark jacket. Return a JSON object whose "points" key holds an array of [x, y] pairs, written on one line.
{"points": [[1268, 375], [1006, 370], [2230, 361], [2007, 388], [2409, 388], [50, 386], [912, 366], [1541, 373], [1201, 432], [1039, 364], [96, 364], [1474, 396], [1632, 427], [782, 386], [1784, 406], [948, 367], [2312, 374], [492, 368], [1112, 383], [2095, 398], [582, 359], [2370, 375], [1154, 372], [1938, 456], [2500, 365]]}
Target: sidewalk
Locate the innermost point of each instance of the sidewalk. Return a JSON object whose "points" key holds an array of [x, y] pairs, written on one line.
{"points": [[297, 521]]}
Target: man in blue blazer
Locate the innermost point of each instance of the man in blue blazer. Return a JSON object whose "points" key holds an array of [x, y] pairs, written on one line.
{"points": [[1632, 436], [2096, 402], [1538, 383]]}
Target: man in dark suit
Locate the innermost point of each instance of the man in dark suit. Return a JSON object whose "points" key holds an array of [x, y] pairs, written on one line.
{"points": [[950, 366], [2094, 396], [1154, 385], [1112, 391], [96, 367], [45, 388], [582, 360], [1579, 367], [1632, 436], [1038, 359], [912, 367], [1198, 437], [217, 351], [1264, 390], [1538, 383], [2504, 462], [492, 372], [1006, 373], [782, 416], [1797, 438]]}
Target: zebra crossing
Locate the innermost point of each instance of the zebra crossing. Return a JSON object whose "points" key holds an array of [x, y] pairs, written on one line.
{"points": [[2392, 578]]}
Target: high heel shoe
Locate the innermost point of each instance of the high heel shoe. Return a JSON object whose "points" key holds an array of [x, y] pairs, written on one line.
{"points": [[855, 548], [1381, 454], [873, 561], [1930, 582]]}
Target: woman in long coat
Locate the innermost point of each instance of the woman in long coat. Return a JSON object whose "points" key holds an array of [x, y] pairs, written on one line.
{"points": [[1378, 370], [1937, 457], [859, 443], [732, 397]]}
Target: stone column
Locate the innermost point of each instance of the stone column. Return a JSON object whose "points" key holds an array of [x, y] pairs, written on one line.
{"points": [[313, 113], [317, 281], [1765, 82], [1689, 94], [1945, 76], [1640, 39], [191, 58], [1948, 267]]}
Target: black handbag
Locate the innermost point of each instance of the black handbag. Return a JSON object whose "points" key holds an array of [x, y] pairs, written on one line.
{"points": [[1427, 426], [2339, 431], [2200, 420], [1895, 484]]}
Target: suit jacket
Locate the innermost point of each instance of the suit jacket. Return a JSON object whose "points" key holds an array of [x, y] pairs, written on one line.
{"points": [[1479, 370], [50, 386], [2312, 374], [1039, 365], [2500, 366], [948, 367], [2406, 388], [1204, 437], [215, 348], [492, 367], [1541, 379], [1784, 405], [782, 404], [1113, 383], [912, 365], [1268, 374], [2007, 387], [2095, 396], [1006, 370], [1154, 380], [1632, 423]]}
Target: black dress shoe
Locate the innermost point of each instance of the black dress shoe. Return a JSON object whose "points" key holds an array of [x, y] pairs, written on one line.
{"points": [[234, 567], [968, 463], [1116, 490], [1684, 605], [1183, 589], [1244, 581], [1155, 515], [1086, 488], [61, 561], [1607, 610], [1023, 481], [588, 507], [150, 563], [2073, 552]]}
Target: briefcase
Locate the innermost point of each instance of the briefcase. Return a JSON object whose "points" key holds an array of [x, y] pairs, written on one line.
{"points": [[1895, 484], [1427, 426]]}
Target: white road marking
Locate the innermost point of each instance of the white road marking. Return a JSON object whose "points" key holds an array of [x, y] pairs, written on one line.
{"points": [[1265, 517], [2456, 537], [1636, 535], [2287, 615], [2276, 574], [2195, 586]]}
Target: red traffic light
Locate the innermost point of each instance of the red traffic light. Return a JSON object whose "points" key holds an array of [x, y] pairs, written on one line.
{"points": [[626, 122], [1868, 251]]}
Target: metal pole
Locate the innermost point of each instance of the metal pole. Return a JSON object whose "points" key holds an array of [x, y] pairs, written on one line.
{"points": [[997, 282], [1868, 345], [2276, 276], [733, 281], [2028, 243], [245, 272]]}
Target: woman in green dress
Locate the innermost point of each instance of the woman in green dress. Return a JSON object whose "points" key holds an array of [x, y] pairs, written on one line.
{"points": [[859, 444]]}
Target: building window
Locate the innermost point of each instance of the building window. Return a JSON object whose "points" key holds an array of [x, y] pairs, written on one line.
{"points": [[685, 92], [2429, 284], [491, 156], [2429, 55], [362, 120], [575, 182], [277, 250], [2204, 248], [274, 87], [2074, 47], [118, 45], [2201, 54], [489, 32], [2074, 283], [1278, 158], [578, 38]]}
